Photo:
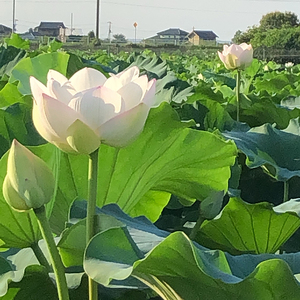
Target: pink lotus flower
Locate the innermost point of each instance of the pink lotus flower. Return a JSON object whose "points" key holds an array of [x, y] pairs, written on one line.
{"points": [[80, 113], [236, 56]]}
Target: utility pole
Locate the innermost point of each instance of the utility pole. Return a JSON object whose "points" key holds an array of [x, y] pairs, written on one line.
{"points": [[14, 17], [109, 31], [97, 19], [72, 23]]}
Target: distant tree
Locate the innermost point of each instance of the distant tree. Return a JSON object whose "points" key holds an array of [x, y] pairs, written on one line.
{"points": [[91, 34], [245, 37], [119, 38], [276, 29], [278, 19]]}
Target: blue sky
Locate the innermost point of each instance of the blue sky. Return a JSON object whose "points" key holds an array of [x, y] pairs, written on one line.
{"points": [[224, 17]]}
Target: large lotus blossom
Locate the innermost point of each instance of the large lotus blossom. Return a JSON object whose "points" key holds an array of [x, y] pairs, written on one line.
{"points": [[79, 113], [236, 56]]}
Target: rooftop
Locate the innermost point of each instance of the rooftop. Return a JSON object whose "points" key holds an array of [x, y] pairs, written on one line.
{"points": [[173, 31], [205, 34], [51, 25]]}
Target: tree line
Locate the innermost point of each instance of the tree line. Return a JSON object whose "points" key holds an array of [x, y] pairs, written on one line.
{"points": [[279, 30]]}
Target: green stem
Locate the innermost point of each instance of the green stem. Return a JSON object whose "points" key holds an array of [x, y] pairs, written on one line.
{"points": [[197, 226], [58, 267], [286, 186], [91, 213], [238, 86], [40, 256]]}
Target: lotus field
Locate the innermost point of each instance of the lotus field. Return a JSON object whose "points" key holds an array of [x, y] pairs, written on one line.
{"points": [[137, 176]]}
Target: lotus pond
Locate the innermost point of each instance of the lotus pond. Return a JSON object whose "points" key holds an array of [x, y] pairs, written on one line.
{"points": [[198, 206]]}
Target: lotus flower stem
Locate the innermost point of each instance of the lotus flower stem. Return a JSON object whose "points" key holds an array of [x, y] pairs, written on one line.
{"points": [[58, 267], [197, 226], [40, 256], [238, 85], [286, 186], [91, 212]]}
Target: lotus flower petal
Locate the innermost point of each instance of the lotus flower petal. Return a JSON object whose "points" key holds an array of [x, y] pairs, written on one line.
{"points": [[113, 83], [82, 138], [37, 90], [62, 93], [124, 128], [52, 74], [128, 75], [104, 102], [12, 197], [87, 78], [57, 115], [149, 98], [134, 92]]}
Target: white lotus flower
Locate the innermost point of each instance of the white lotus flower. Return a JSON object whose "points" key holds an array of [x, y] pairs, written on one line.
{"points": [[236, 56], [78, 114]]}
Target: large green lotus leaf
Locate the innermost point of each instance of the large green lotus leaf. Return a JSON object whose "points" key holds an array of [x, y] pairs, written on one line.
{"points": [[10, 95], [178, 269], [204, 91], [35, 285], [265, 111], [277, 85], [166, 157], [248, 228], [293, 205], [222, 78], [6, 273], [73, 242], [38, 67], [217, 117], [9, 57], [15, 265], [16, 41], [291, 103], [276, 150], [153, 65], [16, 123]]}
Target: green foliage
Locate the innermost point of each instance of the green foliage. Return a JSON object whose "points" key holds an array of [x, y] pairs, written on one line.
{"points": [[276, 29], [38, 67], [275, 150], [262, 230], [207, 272], [119, 38], [279, 19], [16, 41], [185, 155]]}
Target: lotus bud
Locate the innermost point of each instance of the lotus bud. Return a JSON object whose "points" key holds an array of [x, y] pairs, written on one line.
{"points": [[236, 56], [29, 182]]}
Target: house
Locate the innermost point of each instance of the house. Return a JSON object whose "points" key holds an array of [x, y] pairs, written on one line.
{"points": [[173, 36], [202, 37], [4, 30], [51, 29]]}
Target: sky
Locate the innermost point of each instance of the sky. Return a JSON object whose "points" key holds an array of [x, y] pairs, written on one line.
{"points": [[224, 17]]}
